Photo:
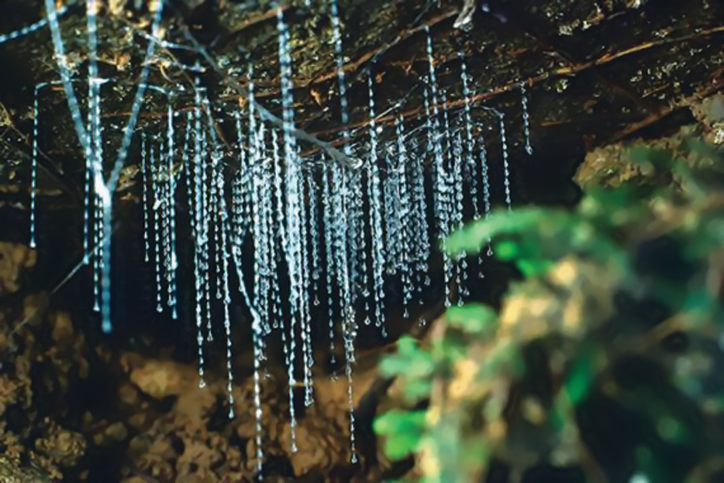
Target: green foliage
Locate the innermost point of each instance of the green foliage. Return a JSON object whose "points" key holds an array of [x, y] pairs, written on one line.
{"points": [[403, 430], [573, 263], [580, 376], [413, 365], [473, 318]]}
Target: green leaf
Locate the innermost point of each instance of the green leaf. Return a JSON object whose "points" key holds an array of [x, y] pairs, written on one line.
{"points": [[557, 416], [453, 346], [420, 365], [472, 237], [410, 360], [474, 318], [659, 158], [398, 420], [407, 345], [533, 268], [601, 202], [403, 430], [399, 445], [507, 250], [394, 365], [416, 390], [700, 305], [579, 379]]}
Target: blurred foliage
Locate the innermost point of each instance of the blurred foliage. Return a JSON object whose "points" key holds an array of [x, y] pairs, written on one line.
{"points": [[611, 345]]}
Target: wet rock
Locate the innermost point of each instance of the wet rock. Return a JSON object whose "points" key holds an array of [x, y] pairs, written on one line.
{"points": [[710, 113], [66, 447], [15, 259], [613, 166], [10, 472]]}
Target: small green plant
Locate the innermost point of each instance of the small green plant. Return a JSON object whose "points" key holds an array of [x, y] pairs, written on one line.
{"points": [[620, 305]]}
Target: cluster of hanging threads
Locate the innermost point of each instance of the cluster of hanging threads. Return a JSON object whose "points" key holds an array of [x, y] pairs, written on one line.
{"points": [[289, 209], [89, 140]]}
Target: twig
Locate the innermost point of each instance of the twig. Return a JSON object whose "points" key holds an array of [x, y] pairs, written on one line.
{"points": [[655, 117], [269, 15], [561, 71]]}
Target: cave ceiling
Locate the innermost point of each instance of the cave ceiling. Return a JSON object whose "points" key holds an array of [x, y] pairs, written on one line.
{"points": [[595, 70]]}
